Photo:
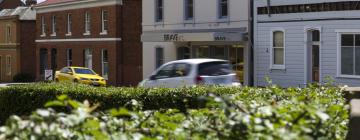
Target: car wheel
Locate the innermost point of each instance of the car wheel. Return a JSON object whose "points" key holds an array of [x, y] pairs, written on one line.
{"points": [[76, 81]]}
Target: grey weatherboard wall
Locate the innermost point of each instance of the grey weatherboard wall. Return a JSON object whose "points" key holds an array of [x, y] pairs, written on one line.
{"points": [[295, 25]]}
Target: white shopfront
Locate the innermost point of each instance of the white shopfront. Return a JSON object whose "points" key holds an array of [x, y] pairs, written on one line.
{"points": [[169, 46], [182, 29]]}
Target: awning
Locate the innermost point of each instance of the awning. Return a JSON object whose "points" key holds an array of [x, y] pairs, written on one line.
{"points": [[194, 37]]}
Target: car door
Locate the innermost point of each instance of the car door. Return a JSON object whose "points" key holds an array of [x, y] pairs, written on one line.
{"points": [[162, 77], [60, 75], [65, 76], [69, 77]]}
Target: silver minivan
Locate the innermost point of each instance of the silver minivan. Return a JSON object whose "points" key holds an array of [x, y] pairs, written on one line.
{"points": [[191, 72]]}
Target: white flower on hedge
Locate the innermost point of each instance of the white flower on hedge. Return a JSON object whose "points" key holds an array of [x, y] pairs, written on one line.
{"points": [[37, 130], [137, 136], [266, 110], [257, 120], [3, 129], [269, 124], [43, 113], [246, 119], [323, 116]]}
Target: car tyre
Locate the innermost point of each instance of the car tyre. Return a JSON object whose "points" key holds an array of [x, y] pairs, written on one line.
{"points": [[76, 81]]}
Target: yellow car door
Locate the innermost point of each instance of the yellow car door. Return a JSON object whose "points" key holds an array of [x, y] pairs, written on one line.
{"points": [[69, 75]]}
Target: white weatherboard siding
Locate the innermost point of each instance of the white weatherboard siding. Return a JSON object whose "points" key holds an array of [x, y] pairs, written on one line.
{"points": [[294, 74]]}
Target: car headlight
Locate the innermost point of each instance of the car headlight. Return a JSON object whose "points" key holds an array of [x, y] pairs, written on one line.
{"points": [[84, 79]]}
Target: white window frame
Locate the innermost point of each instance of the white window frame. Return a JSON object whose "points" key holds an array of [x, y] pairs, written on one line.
{"points": [[53, 24], [69, 24], [43, 34], [87, 23], [338, 62], [68, 60], [8, 65], [157, 20], [271, 49], [219, 10], [103, 22], [106, 77], [186, 4]]}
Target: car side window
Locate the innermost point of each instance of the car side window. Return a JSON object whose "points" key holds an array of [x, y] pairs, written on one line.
{"points": [[182, 70], [165, 72], [69, 70], [64, 70]]}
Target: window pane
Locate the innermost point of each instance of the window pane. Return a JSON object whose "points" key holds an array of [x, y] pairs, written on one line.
{"points": [[183, 53], [182, 70], [315, 55], [214, 69], [347, 40], [357, 60], [189, 9], [159, 57], [347, 60], [357, 40], [315, 35], [278, 56], [105, 64], [202, 52], [278, 39], [219, 53], [159, 10], [166, 72], [224, 8]]}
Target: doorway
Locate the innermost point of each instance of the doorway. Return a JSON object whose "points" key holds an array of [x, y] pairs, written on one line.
{"points": [[54, 60], [1, 69], [43, 60], [313, 56]]}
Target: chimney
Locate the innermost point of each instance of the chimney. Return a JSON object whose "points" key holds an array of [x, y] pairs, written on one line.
{"points": [[30, 2]]}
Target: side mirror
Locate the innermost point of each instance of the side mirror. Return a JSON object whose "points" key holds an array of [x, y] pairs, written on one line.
{"points": [[152, 77]]}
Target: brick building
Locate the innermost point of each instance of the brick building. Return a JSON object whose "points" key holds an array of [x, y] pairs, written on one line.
{"points": [[17, 42], [100, 34], [11, 4]]}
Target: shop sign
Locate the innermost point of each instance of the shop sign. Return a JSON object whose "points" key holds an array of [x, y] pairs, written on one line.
{"points": [[173, 37], [220, 38]]}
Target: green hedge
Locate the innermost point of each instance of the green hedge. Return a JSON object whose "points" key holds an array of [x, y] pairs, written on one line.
{"points": [[23, 99], [229, 113]]}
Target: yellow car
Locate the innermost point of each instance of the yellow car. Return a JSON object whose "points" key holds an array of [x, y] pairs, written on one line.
{"points": [[79, 75]]}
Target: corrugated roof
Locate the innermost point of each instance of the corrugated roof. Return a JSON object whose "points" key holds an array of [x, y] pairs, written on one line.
{"points": [[50, 2], [24, 13]]}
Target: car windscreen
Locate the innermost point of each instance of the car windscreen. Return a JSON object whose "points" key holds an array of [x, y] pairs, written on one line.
{"points": [[214, 68], [83, 71]]}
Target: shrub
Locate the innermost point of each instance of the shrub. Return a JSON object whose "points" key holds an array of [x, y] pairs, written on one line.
{"points": [[23, 77], [249, 113], [24, 99]]}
